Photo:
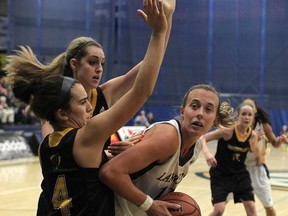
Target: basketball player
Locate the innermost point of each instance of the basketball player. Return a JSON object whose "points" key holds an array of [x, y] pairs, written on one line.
{"points": [[157, 164], [72, 155], [228, 172], [258, 174], [84, 60]]}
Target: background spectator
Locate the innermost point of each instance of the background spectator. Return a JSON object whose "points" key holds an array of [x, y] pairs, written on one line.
{"points": [[285, 132], [6, 113], [150, 118], [141, 119]]}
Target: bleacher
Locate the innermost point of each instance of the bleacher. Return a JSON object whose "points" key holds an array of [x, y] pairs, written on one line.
{"points": [[19, 141]]}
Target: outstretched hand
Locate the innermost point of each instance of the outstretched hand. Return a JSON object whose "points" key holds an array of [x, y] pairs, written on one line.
{"points": [[283, 138], [210, 159], [261, 134], [118, 147], [154, 15]]}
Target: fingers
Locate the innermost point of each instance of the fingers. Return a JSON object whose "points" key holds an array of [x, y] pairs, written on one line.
{"points": [[142, 14], [160, 7], [160, 207], [135, 138], [149, 4], [118, 147], [152, 6], [283, 138], [211, 162], [154, 15], [173, 206]]}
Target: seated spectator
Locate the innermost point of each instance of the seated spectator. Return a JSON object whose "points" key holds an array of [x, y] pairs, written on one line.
{"points": [[7, 114], [285, 132], [150, 118], [141, 119], [3, 90]]}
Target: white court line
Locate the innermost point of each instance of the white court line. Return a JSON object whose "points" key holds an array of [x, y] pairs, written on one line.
{"points": [[19, 190]]}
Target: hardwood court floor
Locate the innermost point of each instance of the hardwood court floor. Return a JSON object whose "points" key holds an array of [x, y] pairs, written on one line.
{"points": [[20, 186]]}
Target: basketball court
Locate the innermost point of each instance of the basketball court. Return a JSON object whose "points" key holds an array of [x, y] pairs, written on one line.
{"points": [[241, 47], [20, 185]]}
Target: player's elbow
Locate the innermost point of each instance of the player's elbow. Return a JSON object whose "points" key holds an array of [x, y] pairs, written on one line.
{"points": [[145, 93], [276, 144], [107, 174]]}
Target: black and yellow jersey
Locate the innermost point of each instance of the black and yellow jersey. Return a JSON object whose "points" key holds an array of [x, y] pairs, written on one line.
{"points": [[69, 189]]}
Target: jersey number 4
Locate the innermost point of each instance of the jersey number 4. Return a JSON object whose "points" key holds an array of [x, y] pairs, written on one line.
{"points": [[60, 197]]}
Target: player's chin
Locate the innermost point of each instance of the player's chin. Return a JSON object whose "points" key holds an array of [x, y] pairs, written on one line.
{"points": [[95, 83], [83, 123], [197, 132]]}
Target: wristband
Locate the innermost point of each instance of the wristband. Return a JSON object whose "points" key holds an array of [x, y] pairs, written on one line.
{"points": [[147, 203]]}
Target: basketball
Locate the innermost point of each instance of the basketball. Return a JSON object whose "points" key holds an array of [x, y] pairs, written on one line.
{"points": [[189, 207]]}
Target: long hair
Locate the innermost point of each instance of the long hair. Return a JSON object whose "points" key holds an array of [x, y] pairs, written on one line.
{"points": [[77, 49], [34, 84], [261, 117]]}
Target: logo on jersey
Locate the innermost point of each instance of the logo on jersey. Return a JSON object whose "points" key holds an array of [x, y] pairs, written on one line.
{"points": [[171, 177], [102, 109]]}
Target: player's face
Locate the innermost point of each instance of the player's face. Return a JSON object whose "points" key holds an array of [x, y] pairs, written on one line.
{"points": [[80, 107], [200, 112], [89, 71], [246, 116]]}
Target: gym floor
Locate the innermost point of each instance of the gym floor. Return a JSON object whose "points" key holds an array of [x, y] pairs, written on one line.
{"points": [[20, 185]]}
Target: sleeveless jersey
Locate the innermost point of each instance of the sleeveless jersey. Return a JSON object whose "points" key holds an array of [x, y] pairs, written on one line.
{"points": [[231, 154], [98, 102], [70, 189], [161, 178], [252, 159]]}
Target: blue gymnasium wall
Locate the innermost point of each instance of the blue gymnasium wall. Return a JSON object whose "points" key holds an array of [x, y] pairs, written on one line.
{"points": [[239, 46]]}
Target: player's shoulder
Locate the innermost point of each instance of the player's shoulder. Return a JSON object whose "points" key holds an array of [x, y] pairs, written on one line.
{"points": [[165, 128], [163, 132], [224, 133]]}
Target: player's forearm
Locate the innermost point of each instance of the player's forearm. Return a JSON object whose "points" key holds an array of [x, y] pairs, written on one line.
{"points": [[259, 155], [122, 185], [205, 148], [151, 65]]}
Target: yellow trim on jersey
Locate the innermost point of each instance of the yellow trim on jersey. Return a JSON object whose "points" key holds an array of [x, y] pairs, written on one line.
{"points": [[55, 137], [93, 100], [242, 139]]}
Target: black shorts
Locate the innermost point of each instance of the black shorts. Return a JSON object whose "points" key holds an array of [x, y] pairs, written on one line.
{"points": [[222, 184]]}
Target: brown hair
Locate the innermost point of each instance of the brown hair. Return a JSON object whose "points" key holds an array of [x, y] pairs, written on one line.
{"points": [[77, 50], [33, 84]]}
